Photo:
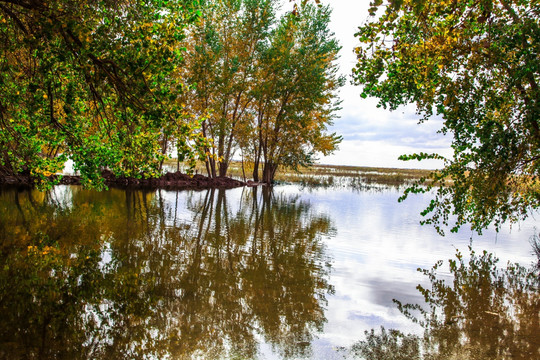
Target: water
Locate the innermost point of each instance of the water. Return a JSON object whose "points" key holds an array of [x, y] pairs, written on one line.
{"points": [[242, 273]]}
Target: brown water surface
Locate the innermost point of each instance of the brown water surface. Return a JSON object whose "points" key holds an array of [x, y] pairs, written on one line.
{"points": [[246, 274]]}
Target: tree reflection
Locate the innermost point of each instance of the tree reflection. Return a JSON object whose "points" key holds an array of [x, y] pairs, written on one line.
{"points": [[50, 274], [118, 274], [483, 312]]}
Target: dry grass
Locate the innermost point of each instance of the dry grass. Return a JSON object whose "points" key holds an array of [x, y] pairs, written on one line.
{"points": [[329, 175], [352, 176]]}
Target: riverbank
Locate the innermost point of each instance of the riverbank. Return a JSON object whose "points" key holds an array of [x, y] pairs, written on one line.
{"points": [[319, 175], [339, 176], [314, 176], [176, 180]]}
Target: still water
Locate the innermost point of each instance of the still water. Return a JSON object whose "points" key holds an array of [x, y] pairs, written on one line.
{"points": [[253, 274]]}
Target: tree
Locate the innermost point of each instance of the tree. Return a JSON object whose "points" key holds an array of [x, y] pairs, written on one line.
{"points": [[296, 98], [224, 47], [264, 85], [475, 64], [92, 81]]}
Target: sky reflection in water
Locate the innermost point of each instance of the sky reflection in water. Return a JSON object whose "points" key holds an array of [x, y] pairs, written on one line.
{"points": [[290, 274]]}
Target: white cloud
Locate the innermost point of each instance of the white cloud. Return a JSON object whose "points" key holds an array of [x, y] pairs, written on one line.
{"points": [[381, 153]]}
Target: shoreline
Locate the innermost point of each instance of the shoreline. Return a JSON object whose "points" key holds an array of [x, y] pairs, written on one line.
{"points": [[176, 180]]}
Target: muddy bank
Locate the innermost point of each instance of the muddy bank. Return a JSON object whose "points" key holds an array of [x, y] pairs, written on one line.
{"points": [[175, 180]]}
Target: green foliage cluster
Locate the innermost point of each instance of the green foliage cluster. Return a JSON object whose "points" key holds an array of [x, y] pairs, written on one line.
{"points": [[476, 64], [92, 81]]}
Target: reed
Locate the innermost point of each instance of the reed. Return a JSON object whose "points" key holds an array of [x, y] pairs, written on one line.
{"points": [[327, 175]]}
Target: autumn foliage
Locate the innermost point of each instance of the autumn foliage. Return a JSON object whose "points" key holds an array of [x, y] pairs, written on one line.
{"points": [[122, 85], [476, 65]]}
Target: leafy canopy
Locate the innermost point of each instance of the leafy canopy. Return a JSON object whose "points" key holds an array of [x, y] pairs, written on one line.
{"points": [[475, 64], [297, 97], [265, 84], [90, 80], [224, 48]]}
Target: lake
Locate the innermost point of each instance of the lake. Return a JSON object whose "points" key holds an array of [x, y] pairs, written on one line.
{"points": [[245, 273]]}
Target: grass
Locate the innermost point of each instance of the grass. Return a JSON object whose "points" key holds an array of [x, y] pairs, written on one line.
{"points": [[328, 175]]}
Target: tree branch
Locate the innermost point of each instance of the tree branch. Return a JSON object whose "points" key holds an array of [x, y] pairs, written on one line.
{"points": [[15, 18]]}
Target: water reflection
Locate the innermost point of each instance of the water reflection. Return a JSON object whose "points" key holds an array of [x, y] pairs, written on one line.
{"points": [[479, 312], [128, 274]]}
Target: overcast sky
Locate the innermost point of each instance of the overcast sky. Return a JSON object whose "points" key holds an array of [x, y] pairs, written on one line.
{"points": [[373, 136]]}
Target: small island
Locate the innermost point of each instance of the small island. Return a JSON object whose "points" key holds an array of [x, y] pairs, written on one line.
{"points": [[176, 180]]}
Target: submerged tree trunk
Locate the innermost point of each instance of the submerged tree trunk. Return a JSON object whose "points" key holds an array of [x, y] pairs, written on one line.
{"points": [[269, 171]]}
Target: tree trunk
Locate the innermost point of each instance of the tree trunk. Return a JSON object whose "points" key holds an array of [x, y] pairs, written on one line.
{"points": [[164, 147], [223, 167], [269, 171], [211, 167], [256, 162], [243, 169], [256, 170], [209, 161]]}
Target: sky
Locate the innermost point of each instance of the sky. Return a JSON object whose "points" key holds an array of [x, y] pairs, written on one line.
{"points": [[374, 136]]}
